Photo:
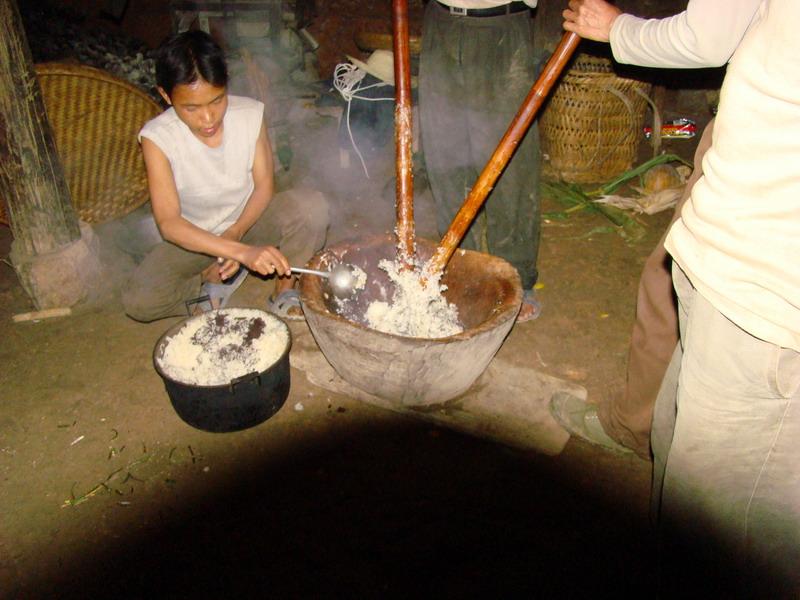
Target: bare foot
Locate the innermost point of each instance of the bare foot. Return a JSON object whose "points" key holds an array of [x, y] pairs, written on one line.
{"points": [[530, 307], [282, 285], [211, 274], [526, 313]]}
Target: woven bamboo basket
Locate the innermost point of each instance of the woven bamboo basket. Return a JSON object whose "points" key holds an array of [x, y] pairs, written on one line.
{"points": [[95, 118], [592, 126]]}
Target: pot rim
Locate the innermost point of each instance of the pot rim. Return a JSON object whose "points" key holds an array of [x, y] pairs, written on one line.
{"points": [[177, 326]]}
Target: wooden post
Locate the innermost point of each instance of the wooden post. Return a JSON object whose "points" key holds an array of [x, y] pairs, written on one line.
{"points": [[56, 259], [31, 178], [402, 132]]}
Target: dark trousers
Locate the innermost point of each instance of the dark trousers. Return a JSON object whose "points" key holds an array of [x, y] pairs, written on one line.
{"points": [[474, 74]]}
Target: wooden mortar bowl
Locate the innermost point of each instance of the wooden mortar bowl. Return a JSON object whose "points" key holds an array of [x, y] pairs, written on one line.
{"points": [[406, 370]]}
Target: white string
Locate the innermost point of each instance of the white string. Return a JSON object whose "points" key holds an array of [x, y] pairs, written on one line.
{"points": [[347, 81]]}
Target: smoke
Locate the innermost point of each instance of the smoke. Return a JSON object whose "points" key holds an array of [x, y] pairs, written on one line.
{"points": [[310, 132], [312, 147], [311, 140]]}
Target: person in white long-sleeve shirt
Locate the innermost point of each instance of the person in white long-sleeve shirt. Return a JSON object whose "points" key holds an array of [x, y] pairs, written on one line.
{"points": [[622, 422], [731, 486], [706, 34]]}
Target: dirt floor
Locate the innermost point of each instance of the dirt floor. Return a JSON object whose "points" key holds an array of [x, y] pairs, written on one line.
{"points": [[105, 490]]}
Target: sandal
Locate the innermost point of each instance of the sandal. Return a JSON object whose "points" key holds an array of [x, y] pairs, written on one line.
{"points": [[529, 298], [580, 419], [283, 304], [219, 293]]}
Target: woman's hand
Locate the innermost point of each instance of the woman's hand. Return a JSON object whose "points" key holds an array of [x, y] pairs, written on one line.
{"points": [[590, 19], [265, 260], [227, 268]]}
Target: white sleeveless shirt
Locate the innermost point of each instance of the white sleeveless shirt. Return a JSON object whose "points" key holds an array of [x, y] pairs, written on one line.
{"points": [[213, 184]]}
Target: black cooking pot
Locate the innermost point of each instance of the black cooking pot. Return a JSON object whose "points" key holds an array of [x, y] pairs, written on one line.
{"points": [[239, 404]]}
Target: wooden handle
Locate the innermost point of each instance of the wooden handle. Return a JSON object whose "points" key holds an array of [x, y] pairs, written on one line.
{"points": [[402, 132], [47, 313], [475, 199]]}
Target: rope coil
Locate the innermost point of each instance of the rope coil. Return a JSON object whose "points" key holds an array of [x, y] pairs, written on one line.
{"points": [[347, 80]]}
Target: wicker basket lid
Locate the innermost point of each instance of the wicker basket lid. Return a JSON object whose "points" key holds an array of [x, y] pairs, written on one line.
{"points": [[588, 63], [95, 118]]}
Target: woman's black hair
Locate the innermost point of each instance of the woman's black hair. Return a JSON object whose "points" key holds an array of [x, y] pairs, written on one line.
{"points": [[186, 57]]}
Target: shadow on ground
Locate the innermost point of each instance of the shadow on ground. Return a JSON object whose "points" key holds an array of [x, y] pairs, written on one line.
{"points": [[381, 511]]}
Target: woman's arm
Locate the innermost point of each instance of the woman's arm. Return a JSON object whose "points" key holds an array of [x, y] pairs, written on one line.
{"points": [[174, 228], [256, 204], [262, 188]]}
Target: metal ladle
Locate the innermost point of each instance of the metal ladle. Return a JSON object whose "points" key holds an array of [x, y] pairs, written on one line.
{"points": [[341, 278]]}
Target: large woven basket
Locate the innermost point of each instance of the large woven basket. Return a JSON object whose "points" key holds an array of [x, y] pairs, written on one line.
{"points": [[95, 118], [592, 126]]}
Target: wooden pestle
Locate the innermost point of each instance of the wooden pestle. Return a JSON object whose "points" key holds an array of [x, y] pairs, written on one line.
{"points": [[514, 134], [402, 132]]}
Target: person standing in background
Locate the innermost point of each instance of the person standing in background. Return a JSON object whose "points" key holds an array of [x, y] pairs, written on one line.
{"points": [[477, 65]]}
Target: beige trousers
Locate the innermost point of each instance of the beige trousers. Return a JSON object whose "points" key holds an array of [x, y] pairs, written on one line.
{"points": [[726, 478], [295, 221]]}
